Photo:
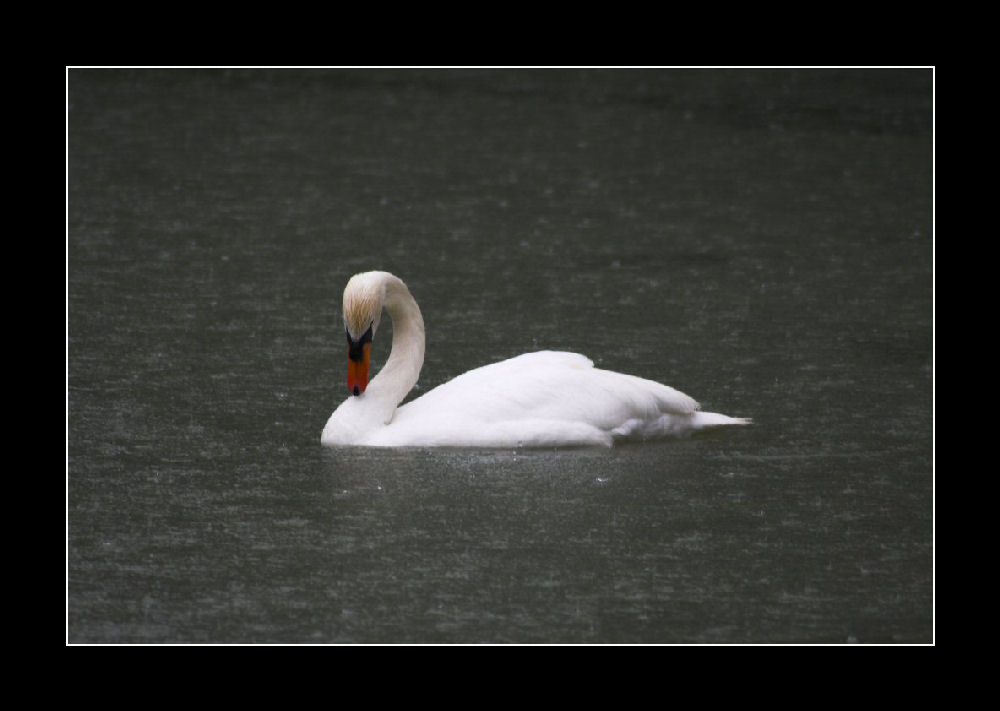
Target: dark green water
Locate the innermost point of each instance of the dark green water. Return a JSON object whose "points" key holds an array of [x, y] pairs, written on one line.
{"points": [[761, 240]]}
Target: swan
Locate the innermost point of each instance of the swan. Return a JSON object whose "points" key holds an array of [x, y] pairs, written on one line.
{"points": [[537, 399]]}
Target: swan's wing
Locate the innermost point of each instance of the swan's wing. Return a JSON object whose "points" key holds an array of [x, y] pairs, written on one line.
{"points": [[561, 389]]}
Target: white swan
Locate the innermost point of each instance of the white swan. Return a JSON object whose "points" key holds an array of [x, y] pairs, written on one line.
{"points": [[533, 400]]}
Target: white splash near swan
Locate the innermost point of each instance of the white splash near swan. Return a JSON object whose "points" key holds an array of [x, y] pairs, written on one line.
{"points": [[534, 400]]}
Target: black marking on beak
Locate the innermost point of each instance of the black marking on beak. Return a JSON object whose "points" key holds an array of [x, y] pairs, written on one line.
{"points": [[355, 349]]}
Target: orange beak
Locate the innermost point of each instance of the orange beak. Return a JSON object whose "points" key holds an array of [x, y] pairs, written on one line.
{"points": [[357, 368]]}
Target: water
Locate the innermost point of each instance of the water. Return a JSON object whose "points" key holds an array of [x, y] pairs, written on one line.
{"points": [[761, 240]]}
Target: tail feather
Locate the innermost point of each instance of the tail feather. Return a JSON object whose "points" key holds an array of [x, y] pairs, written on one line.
{"points": [[715, 419]]}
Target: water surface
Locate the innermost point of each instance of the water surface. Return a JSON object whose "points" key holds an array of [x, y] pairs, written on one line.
{"points": [[758, 239]]}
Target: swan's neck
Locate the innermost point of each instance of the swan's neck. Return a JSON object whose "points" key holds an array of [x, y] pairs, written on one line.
{"points": [[402, 369]]}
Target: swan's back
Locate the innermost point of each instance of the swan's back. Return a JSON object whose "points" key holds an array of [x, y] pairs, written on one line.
{"points": [[546, 398]]}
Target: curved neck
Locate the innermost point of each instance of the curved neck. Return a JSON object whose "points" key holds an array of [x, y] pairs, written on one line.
{"points": [[402, 369]]}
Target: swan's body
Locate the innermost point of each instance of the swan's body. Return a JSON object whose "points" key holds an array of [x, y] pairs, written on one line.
{"points": [[537, 399]]}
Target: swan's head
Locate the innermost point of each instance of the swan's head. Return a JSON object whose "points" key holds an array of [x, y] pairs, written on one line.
{"points": [[363, 300]]}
